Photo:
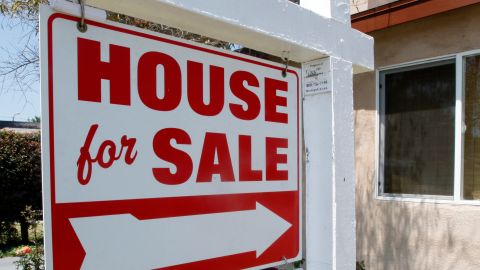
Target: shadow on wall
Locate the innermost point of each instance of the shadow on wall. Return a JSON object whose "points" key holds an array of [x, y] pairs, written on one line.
{"points": [[403, 236], [389, 234]]}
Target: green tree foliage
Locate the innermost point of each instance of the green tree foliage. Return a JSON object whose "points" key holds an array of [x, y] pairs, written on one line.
{"points": [[172, 31], [35, 119], [20, 177], [25, 10]]}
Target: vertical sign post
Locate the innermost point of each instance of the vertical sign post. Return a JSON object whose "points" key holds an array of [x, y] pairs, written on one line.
{"points": [[330, 170], [330, 185]]}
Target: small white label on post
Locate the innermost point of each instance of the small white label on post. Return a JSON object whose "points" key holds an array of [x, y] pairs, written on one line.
{"points": [[316, 77]]}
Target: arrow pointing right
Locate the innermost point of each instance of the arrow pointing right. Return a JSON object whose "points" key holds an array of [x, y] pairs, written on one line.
{"points": [[124, 242]]}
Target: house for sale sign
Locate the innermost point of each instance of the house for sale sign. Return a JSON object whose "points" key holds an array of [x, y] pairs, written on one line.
{"points": [[159, 153]]}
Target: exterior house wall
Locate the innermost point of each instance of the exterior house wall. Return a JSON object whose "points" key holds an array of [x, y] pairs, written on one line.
{"points": [[400, 235], [358, 6], [376, 3]]}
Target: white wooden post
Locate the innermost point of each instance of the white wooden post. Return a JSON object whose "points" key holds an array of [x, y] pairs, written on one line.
{"points": [[318, 130], [336, 9], [330, 171], [343, 165]]}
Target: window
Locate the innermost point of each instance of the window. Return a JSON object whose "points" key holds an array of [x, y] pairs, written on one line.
{"points": [[418, 129], [429, 129]]}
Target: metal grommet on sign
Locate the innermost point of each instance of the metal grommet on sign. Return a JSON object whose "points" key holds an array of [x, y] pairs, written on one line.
{"points": [[81, 25]]}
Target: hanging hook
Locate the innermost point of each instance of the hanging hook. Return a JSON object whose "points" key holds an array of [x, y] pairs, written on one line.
{"points": [[285, 60], [81, 25]]}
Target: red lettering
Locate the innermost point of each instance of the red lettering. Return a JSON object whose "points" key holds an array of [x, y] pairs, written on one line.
{"points": [[85, 159], [129, 143], [164, 150], [111, 154], [215, 143], [272, 100], [91, 70], [274, 158], [245, 160], [105, 155], [147, 81], [195, 89], [240, 91]]}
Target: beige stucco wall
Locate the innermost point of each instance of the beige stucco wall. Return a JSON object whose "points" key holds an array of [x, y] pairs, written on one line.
{"points": [[358, 6], [410, 235], [376, 3]]}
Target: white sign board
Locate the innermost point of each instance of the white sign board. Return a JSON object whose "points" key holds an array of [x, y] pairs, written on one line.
{"points": [[162, 153]]}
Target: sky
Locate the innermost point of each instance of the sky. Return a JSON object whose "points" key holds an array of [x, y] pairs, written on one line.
{"points": [[22, 105]]}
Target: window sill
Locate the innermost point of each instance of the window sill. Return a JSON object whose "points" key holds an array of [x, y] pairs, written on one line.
{"points": [[435, 200]]}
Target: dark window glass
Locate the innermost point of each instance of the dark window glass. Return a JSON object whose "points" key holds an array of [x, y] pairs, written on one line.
{"points": [[417, 129], [471, 149]]}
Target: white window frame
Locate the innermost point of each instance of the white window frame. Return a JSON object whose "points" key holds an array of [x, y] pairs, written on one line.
{"points": [[457, 197]]}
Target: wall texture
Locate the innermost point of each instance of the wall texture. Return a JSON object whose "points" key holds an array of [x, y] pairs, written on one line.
{"points": [[358, 6], [410, 235], [377, 3]]}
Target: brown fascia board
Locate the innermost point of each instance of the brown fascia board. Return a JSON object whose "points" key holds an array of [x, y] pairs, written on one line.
{"points": [[403, 11]]}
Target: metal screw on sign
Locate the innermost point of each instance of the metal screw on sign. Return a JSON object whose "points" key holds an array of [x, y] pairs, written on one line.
{"points": [[285, 60], [284, 71], [81, 25]]}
